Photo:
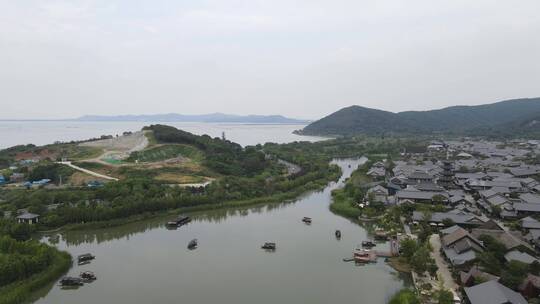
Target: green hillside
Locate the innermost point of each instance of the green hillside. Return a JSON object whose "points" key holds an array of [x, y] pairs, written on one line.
{"points": [[510, 116]]}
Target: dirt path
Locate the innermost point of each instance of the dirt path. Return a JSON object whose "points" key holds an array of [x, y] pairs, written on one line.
{"points": [[443, 271], [118, 147], [69, 164]]}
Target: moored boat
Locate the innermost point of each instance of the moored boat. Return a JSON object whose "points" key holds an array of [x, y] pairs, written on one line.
{"points": [[193, 244], [179, 221], [338, 234], [269, 246], [368, 244], [85, 258], [71, 281], [88, 276], [306, 220], [362, 255]]}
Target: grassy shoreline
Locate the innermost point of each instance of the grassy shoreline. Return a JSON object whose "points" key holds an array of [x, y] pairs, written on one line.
{"points": [[272, 199], [343, 205], [21, 291]]}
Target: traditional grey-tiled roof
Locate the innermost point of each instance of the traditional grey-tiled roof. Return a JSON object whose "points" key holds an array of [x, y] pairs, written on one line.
{"points": [[28, 216], [419, 175], [459, 258], [466, 176], [501, 190], [529, 182], [529, 223], [497, 200], [508, 239], [524, 207], [420, 195], [450, 229], [428, 186], [492, 292], [458, 217], [378, 189], [376, 171], [474, 272], [534, 235], [530, 198], [524, 171], [456, 199], [523, 257], [487, 193], [456, 192]]}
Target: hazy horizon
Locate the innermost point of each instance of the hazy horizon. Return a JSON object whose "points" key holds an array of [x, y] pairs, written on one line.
{"points": [[232, 114], [303, 59]]}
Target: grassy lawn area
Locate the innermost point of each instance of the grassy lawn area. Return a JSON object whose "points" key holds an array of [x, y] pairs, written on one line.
{"points": [[161, 153]]}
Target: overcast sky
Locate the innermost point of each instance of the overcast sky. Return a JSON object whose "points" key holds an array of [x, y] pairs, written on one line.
{"points": [[299, 58]]}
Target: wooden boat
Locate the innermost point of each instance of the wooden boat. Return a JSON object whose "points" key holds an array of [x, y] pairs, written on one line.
{"points": [[368, 244], [306, 220], [381, 235], [88, 276], [179, 221], [193, 244], [85, 258], [71, 281], [269, 246], [338, 234], [362, 255]]}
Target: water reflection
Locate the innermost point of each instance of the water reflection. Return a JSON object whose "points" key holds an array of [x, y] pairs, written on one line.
{"points": [[144, 262]]}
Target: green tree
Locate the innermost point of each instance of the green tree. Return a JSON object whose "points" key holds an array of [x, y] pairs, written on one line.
{"points": [[404, 296], [408, 248], [448, 222], [494, 246], [514, 274], [489, 262], [421, 259]]}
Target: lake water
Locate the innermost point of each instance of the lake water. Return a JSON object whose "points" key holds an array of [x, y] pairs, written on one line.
{"points": [[146, 263], [47, 132]]}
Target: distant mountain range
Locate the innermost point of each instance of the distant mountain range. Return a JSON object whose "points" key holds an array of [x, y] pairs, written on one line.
{"points": [[215, 117], [514, 118]]}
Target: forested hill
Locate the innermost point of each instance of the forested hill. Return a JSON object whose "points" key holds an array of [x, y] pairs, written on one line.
{"points": [[501, 118]]}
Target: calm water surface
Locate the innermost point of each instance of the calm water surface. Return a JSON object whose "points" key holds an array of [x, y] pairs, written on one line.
{"points": [[47, 132], [146, 263]]}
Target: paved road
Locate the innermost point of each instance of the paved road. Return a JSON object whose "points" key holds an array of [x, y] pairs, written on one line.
{"points": [[443, 271], [68, 163]]}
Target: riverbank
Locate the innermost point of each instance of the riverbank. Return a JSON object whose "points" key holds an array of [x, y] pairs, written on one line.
{"points": [[272, 199], [343, 205], [21, 291]]}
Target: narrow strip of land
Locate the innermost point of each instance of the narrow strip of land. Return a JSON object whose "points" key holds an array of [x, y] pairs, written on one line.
{"points": [[68, 163]]}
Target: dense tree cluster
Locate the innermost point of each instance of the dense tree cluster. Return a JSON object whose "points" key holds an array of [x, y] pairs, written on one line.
{"points": [[19, 260], [222, 156]]}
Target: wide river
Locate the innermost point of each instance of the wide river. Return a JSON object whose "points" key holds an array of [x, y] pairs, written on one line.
{"points": [[144, 262]]}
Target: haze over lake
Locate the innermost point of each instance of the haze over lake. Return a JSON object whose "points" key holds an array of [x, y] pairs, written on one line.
{"points": [[47, 132]]}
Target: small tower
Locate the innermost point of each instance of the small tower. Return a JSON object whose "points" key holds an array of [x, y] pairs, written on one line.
{"points": [[223, 136], [447, 175]]}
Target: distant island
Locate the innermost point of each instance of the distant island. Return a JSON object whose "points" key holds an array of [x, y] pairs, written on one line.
{"points": [[214, 117], [509, 118]]}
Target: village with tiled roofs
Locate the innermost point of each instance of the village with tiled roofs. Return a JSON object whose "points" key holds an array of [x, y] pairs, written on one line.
{"points": [[487, 189]]}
